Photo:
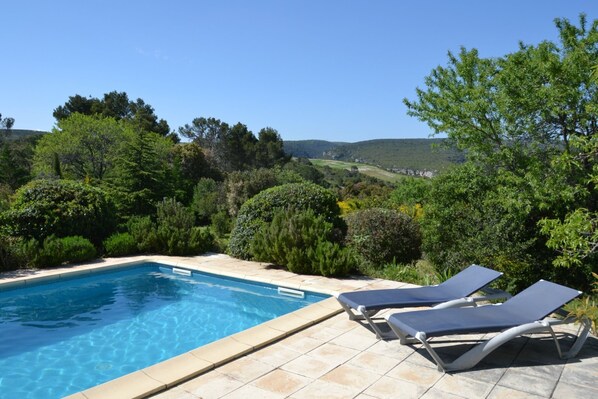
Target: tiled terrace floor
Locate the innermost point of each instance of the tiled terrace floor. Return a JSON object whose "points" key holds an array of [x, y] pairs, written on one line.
{"points": [[339, 358]]}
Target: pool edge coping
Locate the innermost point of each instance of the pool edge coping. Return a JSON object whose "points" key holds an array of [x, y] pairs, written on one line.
{"points": [[176, 370]]}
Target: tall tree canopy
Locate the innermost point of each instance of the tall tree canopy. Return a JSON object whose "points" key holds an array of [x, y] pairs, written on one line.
{"points": [[6, 123], [235, 147], [525, 104], [84, 146], [118, 106], [528, 120]]}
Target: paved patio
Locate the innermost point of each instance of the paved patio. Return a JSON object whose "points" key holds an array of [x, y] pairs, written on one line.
{"points": [[339, 358]]}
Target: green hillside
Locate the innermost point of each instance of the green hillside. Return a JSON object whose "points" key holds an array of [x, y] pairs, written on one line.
{"points": [[368, 170], [309, 148], [15, 134], [405, 156]]}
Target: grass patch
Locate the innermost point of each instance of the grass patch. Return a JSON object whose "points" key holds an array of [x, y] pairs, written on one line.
{"points": [[421, 272], [365, 169]]}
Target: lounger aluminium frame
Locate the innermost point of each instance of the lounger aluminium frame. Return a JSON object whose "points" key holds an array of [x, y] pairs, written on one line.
{"points": [[525, 313], [454, 292]]}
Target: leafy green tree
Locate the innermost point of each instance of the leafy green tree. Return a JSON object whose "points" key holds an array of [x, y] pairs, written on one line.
{"points": [[524, 105], [239, 147], [188, 165], [514, 115], [233, 148], [410, 191], [15, 161], [140, 178], [14, 157], [575, 237], [82, 146], [269, 149], [6, 123], [77, 105], [304, 168], [208, 133], [207, 201], [118, 106]]}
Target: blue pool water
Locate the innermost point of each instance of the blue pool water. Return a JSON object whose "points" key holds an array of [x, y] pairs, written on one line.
{"points": [[71, 334]]}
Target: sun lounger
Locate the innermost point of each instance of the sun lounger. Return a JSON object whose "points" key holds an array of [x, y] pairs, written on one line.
{"points": [[454, 292], [522, 314]]}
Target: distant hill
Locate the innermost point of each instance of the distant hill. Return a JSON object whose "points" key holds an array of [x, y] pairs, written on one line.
{"points": [[405, 156], [310, 148], [15, 134]]}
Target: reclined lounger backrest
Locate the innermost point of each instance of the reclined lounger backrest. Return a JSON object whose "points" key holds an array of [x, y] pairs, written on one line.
{"points": [[474, 276]]}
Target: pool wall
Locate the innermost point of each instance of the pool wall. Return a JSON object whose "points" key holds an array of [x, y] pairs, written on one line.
{"points": [[173, 371]]}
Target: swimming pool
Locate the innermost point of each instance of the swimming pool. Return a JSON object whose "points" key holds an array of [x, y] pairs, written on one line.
{"points": [[68, 335]]}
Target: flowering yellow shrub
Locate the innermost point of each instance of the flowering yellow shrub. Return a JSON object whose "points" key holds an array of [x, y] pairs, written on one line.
{"points": [[415, 211], [348, 206]]}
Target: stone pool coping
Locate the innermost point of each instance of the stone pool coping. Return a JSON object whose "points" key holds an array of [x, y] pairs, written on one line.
{"points": [[173, 371]]}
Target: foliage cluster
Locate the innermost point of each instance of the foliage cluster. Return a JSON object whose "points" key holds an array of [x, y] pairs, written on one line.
{"points": [[303, 242], [173, 233], [381, 236], [526, 200], [587, 307], [115, 105], [63, 208], [233, 148], [260, 210], [52, 251]]}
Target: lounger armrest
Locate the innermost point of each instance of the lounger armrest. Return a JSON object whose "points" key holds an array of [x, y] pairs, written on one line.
{"points": [[491, 295]]}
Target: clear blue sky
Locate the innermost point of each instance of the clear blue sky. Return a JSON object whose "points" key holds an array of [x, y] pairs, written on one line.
{"points": [[312, 69]]}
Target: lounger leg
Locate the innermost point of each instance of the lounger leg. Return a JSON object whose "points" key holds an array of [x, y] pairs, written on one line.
{"points": [[368, 317], [363, 314], [483, 349], [582, 335], [404, 339], [352, 316]]}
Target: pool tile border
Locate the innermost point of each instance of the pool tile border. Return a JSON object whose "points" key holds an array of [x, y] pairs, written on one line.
{"points": [[173, 371]]}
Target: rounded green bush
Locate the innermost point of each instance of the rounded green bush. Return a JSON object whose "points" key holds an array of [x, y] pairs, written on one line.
{"points": [[77, 249], [54, 251], [260, 209], [42, 208], [382, 235], [120, 244]]}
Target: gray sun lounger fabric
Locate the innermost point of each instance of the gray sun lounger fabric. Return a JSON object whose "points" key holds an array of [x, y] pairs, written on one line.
{"points": [[458, 287], [521, 314]]}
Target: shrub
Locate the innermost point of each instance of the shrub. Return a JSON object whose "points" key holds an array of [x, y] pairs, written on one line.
{"points": [[175, 232], [261, 208], [77, 249], [62, 208], [330, 259], [54, 251], [383, 235], [121, 244], [221, 224], [11, 255], [143, 231], [206, 202], [300, 241], [242, 185], [49, 253]]}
